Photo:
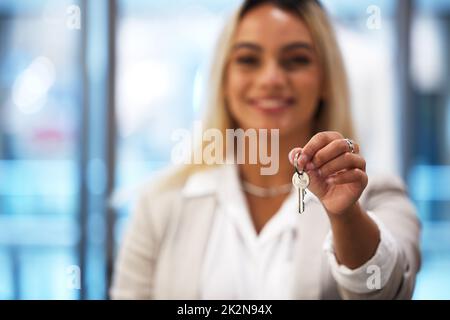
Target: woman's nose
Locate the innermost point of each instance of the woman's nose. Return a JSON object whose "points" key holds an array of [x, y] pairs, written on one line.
{"points": [[272, 75]]}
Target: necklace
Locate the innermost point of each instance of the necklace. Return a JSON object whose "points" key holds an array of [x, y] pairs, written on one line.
{"points": [[265, 192]]}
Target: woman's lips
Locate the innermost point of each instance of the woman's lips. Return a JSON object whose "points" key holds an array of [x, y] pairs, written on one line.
{"points": [[271, 105]]}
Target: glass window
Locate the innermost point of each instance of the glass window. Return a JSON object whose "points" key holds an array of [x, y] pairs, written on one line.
{"points": [[429, 171], [40, 96]]}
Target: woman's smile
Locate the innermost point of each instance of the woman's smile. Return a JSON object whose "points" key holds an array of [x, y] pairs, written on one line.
{"points": [[271, 105]]}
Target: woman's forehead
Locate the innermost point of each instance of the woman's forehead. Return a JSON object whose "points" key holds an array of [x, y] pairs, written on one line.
{"points": [[270, 25]]}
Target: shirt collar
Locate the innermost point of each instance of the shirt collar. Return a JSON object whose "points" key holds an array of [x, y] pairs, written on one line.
{"points": [[234, 204], [202, 183], [208, 181], [223, 181]]}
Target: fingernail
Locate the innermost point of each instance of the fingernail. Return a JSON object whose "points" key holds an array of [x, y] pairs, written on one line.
{"points": [[291, 159], [292, 155]]}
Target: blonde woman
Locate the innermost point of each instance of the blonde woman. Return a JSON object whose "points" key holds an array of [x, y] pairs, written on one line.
{"points": [[229, 232]]}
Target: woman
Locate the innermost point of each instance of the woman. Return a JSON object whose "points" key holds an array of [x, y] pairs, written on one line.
{"points": [[228, 232]]}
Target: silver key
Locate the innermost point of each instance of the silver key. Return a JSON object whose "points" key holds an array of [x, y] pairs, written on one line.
{"points": [[301, 182]]}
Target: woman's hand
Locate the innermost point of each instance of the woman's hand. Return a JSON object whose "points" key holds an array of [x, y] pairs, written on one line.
{"points": [[337, 176]]}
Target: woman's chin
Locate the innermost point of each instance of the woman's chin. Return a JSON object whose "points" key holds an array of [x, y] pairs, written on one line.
{"points": [[285, 122], [284, 127]]}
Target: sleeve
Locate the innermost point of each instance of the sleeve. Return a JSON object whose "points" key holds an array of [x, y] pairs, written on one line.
{"points": [[375, 273], [397, 259], [133, 270]]}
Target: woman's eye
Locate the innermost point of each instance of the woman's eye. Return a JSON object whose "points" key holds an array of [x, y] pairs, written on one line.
{"points": [[247, 60], [297, 61]]}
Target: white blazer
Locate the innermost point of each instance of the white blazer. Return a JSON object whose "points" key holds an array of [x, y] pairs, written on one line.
{"points": [[163, 250]]}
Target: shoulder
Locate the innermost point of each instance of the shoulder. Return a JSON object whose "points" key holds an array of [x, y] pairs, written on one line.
{"points": [[384, 183], [162, 198], [387, 190], [173, 185], [182, 182]]}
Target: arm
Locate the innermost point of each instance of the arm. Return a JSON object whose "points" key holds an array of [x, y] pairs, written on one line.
{"points": [[338, 179], [398, 255], [390, 272], [355, 237], [133, 274]]}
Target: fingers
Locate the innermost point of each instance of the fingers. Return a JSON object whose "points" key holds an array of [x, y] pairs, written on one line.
{"points": [[331, 151], [349, 176], [316, 143], [328, 150], [346, 161]]}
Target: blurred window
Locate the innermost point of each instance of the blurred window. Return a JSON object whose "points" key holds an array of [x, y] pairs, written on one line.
{"points": [[40, 95]]}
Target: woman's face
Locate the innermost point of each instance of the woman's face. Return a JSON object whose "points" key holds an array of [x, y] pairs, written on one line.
{"points": [[273, 76]]}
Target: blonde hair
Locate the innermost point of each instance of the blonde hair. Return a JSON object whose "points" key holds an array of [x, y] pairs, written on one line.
{"points": [[333, 112]]}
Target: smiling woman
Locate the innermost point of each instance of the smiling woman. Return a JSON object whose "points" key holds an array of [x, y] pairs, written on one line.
{"points": [[198, 233]]}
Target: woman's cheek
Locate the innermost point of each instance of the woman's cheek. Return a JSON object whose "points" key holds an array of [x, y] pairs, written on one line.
{"points": [[238, 90], [307, 87]]}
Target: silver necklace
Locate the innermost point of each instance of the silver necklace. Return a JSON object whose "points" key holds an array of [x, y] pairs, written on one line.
{"points": [[265, 192]]}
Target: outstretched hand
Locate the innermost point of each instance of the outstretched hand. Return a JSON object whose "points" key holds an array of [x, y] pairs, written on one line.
{"points": [[337, 175]]}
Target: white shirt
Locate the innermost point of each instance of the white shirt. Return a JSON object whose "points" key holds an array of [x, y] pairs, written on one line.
{"points": [[240, 264]]}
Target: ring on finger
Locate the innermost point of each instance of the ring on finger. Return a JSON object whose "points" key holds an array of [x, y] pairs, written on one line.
{"points": [[351, 145]]}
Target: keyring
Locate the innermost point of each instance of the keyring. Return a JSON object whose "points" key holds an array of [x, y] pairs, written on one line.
{"points": [[296, 164]]}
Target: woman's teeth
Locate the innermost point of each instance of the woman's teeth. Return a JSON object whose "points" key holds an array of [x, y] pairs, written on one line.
{"points": [[271, 103]]}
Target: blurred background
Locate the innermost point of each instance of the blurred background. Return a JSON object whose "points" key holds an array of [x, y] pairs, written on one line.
{"points": [[90, 92]]}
